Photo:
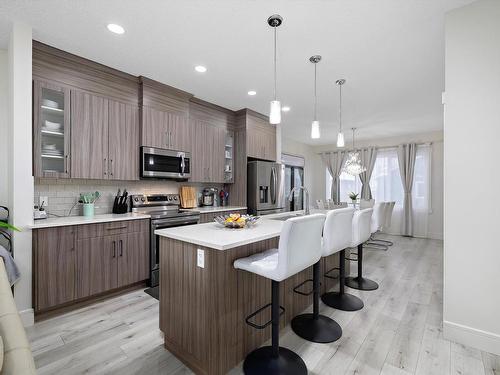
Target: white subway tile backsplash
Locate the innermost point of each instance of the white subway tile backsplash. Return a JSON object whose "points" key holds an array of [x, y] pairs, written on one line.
{"points": [[63, 193]]}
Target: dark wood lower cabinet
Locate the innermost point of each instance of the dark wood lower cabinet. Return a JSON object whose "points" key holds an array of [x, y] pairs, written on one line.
{"points": [[54, 260], [78, 262]]}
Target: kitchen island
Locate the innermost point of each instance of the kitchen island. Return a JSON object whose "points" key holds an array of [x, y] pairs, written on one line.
{"points": [[204, 301]]}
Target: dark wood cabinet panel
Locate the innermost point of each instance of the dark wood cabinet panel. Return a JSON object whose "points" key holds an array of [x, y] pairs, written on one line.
{"points": [[89, 140], [96, 265], [55, 263], [154, 128], [261, 139], [133, 258], [180, 133], [123, 144]]}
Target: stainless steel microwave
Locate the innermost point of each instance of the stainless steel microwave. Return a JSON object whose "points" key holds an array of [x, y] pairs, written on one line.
{"points": [[161, 163]]}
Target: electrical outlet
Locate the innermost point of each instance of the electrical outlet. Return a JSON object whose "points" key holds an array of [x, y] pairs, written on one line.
{"points": [[43, 199], [200, 260]]}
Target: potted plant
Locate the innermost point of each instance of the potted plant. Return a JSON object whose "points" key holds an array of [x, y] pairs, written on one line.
{"points": [[353, 196], [8, 226]]}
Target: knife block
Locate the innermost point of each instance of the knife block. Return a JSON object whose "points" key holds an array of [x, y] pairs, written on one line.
{"points": [[120, 207]]}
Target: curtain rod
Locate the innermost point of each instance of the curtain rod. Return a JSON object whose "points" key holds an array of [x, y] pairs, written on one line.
{"points": [[377, 147]]}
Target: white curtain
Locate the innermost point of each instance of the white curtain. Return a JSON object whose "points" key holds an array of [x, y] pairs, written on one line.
{"points": [[386, 185], [421, 191], [334, 162], [368, 158], [406, 156]]}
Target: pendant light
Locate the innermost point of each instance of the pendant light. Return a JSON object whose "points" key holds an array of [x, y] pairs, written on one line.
{"points": [[315, 133], [275, 108], [353, 165], [340, 135]]}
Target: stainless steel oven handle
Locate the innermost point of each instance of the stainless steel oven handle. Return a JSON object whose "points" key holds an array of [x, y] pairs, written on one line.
{"points": [[167, 223]]}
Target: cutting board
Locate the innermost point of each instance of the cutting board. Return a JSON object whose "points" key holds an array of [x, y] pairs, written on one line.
{"points": [[188, 197]]}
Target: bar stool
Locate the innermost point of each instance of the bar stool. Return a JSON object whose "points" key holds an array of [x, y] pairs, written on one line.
{"points": [[377, 221], [337, 236], [299, 248], [360, 234], [315, 327]]}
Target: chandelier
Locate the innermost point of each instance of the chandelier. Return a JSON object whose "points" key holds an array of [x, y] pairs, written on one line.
{"points": [[353, 165]]}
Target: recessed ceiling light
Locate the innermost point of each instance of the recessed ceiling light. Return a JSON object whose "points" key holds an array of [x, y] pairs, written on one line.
{"points": [[200, 69], [117, 29], [252, 93], [285, 109]]}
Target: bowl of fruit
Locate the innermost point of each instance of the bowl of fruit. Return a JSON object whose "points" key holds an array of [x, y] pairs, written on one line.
{"points": [[236, 221]]}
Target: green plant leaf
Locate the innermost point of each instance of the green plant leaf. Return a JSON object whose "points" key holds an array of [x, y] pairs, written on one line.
{"points": [[8, 226]]}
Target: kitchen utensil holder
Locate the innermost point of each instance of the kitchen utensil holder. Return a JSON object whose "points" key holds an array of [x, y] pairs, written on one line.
{"points": [[88, 209]]}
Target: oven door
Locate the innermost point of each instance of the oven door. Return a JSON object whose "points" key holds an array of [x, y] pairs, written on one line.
{"points": [[161, 163], [155, 242]]}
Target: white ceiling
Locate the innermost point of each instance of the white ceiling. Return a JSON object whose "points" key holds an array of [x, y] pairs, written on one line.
{"points": [[390, 51]]}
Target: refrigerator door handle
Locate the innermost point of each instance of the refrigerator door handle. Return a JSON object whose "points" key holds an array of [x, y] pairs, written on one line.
{"points": [[273, 185]]}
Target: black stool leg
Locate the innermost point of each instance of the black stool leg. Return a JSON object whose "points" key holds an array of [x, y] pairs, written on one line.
{"points": [[315, 327], [274, 360], [359, 282], [341, 300]]}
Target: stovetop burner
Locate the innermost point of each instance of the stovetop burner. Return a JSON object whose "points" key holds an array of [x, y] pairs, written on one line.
{"points": [[160, 206]]}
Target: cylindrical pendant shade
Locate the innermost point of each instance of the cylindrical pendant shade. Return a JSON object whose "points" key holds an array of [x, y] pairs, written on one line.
{"points": [[315, 133], [275, 112], [340, 140]]}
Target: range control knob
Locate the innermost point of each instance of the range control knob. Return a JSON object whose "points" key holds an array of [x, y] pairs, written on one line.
{"points": [[143, 199], [170, 198], [136, 199]]}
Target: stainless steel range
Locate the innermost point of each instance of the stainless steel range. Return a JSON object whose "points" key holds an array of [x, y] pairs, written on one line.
{"points": [[165, 213]]}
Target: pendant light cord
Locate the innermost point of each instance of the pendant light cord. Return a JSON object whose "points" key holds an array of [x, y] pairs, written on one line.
{"points": [[315, 94], [275, 73], [340, 109]]}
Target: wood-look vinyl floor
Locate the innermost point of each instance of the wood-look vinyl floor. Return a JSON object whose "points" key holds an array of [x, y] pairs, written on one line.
{"points": [[399, 331]]}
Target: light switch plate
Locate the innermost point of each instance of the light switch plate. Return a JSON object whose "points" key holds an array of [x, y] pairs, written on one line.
{"points": [[200, 259]]}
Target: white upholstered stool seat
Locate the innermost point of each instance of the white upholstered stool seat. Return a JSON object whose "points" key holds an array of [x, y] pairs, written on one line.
{"points": [[337, 236], [378, 220], [361, 231], [299, 248]]}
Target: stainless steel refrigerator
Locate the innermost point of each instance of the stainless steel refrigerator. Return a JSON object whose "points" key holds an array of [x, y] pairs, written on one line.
{"points": [[265, 187]]}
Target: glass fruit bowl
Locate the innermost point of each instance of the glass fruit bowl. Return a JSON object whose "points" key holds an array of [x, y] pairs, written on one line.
{"points": [[236, 221]]}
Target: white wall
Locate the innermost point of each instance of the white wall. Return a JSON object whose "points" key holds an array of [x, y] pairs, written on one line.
{"points": [[435, 219], [4, 187], [472, 181], [20, 161]]}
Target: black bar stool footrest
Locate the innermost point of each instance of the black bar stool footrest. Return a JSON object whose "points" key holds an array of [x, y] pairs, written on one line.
{"points": [[303, 283], [326, 274], [256, 312]]}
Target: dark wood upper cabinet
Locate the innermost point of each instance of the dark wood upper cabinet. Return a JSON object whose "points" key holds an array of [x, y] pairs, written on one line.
{"points": [[51, 130], [123, 141], [89, 141], [55, 263], [261, 139]]}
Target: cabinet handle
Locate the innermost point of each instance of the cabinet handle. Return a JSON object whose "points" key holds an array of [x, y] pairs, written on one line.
{"points": [[121, 248], [111, 169], [122, 227], [66, 164], [170, 139], [105, 167], [167, 143], [114, 249]]}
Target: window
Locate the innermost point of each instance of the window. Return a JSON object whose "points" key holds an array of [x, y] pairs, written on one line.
{"points": [[386, 186]]}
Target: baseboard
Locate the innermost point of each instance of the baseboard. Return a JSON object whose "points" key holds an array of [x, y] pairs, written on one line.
{"points": [[27, 317], [476, 338]]}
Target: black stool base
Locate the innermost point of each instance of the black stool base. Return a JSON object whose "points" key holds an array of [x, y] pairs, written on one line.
{"points": [[261, 362], [322, 329], [344, 301], [360, 283]]}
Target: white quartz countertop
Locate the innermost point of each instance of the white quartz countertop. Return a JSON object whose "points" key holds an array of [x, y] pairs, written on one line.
{"points": [[217, 237], [78, 220], [208, 209]]}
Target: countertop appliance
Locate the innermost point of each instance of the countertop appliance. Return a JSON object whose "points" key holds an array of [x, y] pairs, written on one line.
{"points": [[161, 163], [208, 196], [265, 187], [165, 212]]}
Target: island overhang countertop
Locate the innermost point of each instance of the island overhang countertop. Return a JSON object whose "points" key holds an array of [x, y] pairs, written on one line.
{"points": [[217, 237]]}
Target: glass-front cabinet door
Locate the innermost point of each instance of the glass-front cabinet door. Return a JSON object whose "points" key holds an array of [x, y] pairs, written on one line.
{"points": [[51, 126]]}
